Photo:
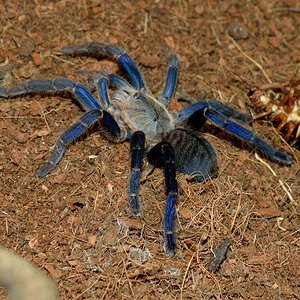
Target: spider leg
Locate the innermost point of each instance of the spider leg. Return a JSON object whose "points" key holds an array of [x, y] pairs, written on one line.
{"points": [[104, 81], [102, 89], [118, 82], [172, 77], [247, 135], [112, 80], [99, 50], [171, 190], [83, 96], [194, 113], [137, 149], [162, 155], [76, 131]]}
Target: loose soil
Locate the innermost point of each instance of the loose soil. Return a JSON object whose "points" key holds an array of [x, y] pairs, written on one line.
{"points": [[75, 224]]}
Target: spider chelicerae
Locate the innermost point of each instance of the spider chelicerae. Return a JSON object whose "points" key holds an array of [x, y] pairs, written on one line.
{"points": [[132, 113]]}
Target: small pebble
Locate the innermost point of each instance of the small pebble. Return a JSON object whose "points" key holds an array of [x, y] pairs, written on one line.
{"points": [[5, 73], [238, 31], [26, 47]]}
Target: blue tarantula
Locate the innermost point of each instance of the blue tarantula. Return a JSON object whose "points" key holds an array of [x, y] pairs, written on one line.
{"points": [[133, 113]]}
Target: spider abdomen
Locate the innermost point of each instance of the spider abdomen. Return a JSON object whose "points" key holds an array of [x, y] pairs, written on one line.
{"points": [[194, 155]]}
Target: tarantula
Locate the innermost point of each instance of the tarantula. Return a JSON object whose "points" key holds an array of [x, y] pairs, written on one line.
{"points": [[133, 113]]}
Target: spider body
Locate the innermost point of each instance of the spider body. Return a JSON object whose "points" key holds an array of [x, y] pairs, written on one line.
{"points": [[132, 113], [141, 111], [280, 102]]}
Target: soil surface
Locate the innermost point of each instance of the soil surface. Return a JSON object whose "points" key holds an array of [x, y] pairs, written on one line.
{"points": [[75, 224]]}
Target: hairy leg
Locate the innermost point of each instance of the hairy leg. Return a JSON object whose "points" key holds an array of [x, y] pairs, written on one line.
{"points": [[137, 149], [82, 95], [100, 50], [74, 133], [172, 77], [247, 135]]}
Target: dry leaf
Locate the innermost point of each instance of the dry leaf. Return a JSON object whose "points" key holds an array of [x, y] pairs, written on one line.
{"points": [[259, 260], [54, 273], [170, 42], [269, 212]]}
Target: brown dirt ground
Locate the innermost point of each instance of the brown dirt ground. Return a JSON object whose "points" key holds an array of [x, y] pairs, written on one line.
{"points": [[75, 223]]}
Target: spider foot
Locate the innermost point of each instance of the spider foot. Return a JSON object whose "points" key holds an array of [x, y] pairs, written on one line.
{"points": [[272, 153], [170, 244], [135, 205], [44, 170], [283, 157], [57, 154]]}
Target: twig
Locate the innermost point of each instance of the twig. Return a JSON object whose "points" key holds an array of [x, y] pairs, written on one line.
{"points": [[86, 290], [44, 116], [235, 215], [216, 36], [288, 9], [284, 186], [146, 23], [251, 59], [185, 275], [61, 59]]}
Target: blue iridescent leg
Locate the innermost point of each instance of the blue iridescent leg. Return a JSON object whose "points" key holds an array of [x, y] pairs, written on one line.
{"points": [[83, 96], [171, 190], [76, 131], [102, 89], [195, 112], [163, 155], [172, 77], [117, 82], [137, 149], [246, 135], [99, 50], [105, 80]]}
